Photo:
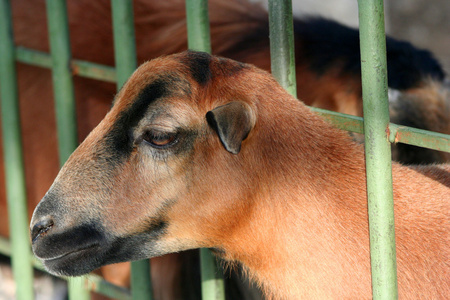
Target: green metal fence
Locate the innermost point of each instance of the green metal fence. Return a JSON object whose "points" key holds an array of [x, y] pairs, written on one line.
{"points": [[376, 121]]}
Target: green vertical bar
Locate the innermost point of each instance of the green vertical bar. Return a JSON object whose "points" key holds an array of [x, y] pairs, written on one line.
{"points": [[13, 160], [126, 63], [377, 149], [213, 287], [197, 19], [64, 102], [62, 78], [282, 52], [124, 40]]}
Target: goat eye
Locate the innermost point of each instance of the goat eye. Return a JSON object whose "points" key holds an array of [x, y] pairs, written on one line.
{"points": [[159, 140]]}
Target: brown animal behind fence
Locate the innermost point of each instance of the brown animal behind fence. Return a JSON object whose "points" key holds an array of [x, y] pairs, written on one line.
{"points": [[203, 151]]}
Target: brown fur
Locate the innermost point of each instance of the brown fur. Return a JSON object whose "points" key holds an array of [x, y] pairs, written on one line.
{"points": [[160, 29], [290, 206]]}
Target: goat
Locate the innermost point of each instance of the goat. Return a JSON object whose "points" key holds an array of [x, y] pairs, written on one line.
{"points": [[327, 79], [203, 151]]}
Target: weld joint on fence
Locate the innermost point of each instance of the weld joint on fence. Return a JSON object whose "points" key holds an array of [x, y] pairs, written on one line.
{"points": [[392, 131], [75, 69]]}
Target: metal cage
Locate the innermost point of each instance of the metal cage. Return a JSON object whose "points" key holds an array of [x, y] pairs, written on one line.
{"points": [[376, 121]]}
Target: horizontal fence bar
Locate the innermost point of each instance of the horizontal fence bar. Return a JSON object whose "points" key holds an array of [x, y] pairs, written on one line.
{"points": [[79, 67], [93, 282], [342, 121], [93, 71], [419, 137], [397, 133], [33, 57]]}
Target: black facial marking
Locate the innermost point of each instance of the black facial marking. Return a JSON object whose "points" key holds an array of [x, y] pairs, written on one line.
{"points": [[119, 139], [129, 247], [199, 66], [156, 227]]}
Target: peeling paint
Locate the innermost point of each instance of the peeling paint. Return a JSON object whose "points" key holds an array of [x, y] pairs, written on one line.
{"points": [[75, 69], [397, 137]]}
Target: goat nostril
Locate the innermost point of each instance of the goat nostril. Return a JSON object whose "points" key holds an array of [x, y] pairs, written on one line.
{"points": [[40, 228]]}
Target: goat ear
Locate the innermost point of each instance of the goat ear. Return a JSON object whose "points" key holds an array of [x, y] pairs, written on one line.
{"points": [[232, 122]]}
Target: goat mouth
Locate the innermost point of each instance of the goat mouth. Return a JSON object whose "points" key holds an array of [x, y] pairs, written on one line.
{"points": [[72, 263], [71, 253]]}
